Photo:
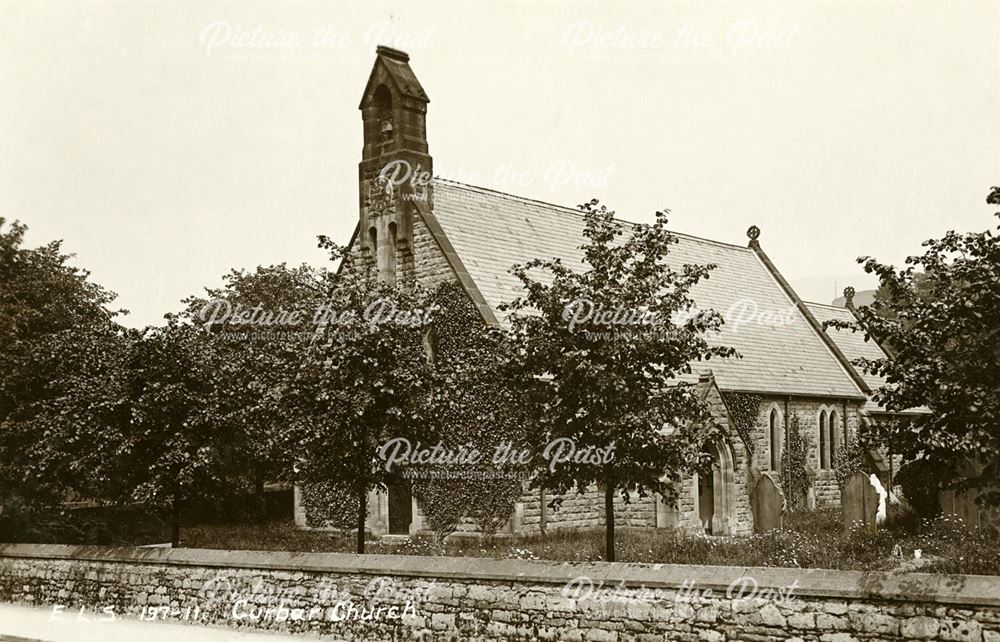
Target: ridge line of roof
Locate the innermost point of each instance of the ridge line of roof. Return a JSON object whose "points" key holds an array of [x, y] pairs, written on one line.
{"points": [[576, 212], [838, 355], [825, 305]]}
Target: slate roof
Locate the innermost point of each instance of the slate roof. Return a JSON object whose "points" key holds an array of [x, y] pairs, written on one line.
{"points": [[491, 231], [854, 346]]}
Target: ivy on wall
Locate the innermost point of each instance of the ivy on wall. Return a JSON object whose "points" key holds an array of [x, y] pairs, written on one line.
{"points": [[328, 505], [484, 414], [743, 409], [794, 475], [850, 459]]}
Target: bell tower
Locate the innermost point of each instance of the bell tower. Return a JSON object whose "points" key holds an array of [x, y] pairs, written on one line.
{"points": [[394, 176]]}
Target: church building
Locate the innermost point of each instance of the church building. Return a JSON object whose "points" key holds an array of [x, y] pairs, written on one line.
{"points": [[793, 375]]}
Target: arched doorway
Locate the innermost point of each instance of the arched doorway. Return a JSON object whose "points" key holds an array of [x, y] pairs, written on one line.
{"points": [[400, 507], [716, 491], [706, 494]]}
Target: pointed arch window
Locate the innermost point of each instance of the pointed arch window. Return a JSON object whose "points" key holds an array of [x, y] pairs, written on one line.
{"points": [[373, 243], [833, 440], [383, 111], [390, 256], [774, 439], [824, 452]]}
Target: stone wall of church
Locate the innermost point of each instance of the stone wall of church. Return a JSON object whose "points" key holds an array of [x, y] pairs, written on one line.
{"points": [[584, 510], [429, 265], [736, 495], [587, 510], [807, 410], [423, 261]]}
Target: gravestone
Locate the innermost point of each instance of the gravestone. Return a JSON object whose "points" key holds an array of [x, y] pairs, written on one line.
{"points": [[962, 504], [766, 502], [859, 501]]}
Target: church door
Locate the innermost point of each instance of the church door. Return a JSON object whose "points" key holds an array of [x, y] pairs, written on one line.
{"points": [[706, 499], [400, 508]]}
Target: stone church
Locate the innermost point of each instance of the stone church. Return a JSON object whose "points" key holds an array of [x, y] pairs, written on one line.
{"points": [[792, 375]]}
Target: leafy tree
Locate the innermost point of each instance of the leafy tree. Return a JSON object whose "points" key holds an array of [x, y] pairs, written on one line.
{"points": [[939, 318], [614, 387], [59, 344], [259, 325], [174, 447], [366, 380], [62, 440]]}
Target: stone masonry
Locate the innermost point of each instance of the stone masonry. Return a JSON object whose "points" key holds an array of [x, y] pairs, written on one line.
{"points": [[434, 598]]}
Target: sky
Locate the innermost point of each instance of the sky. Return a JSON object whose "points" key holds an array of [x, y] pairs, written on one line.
{"points": [[168, 142]]}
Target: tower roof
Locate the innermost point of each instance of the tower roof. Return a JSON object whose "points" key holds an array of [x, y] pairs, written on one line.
{"points": [[394, 65]]}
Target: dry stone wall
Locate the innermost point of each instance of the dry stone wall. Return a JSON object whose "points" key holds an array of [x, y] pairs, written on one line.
{"points": [[461, 599]]}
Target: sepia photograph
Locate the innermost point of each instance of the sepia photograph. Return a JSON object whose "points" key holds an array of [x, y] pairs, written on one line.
{"points": [[443, 321]]}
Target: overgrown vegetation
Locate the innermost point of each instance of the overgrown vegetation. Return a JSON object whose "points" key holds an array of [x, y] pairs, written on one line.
{"points": [[743, 408], [922, 481], [794, 476], [850, 459], [811, 539]]}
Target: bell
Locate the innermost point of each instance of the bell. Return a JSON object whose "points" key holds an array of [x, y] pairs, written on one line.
{"points": [[386, 129]]}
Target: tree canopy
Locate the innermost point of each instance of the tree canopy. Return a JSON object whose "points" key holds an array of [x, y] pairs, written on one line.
{"points": [[604, 353], [939, 319]]}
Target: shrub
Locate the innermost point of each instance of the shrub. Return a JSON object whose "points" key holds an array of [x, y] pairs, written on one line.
{"points": [[100, 525], [850, 459], [921, 481]]}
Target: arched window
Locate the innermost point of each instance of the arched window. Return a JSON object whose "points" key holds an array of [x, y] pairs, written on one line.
{"points": [[383, 111], [824, 457], [834, 433], [373, 243], [383, 100], [390, 256], [774, 433]]}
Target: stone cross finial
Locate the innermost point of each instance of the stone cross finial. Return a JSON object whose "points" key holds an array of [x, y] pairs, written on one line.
{"points": [[849, 297], [753, 233]]}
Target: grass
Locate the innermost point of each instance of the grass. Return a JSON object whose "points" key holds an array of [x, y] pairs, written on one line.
{"points": [[813, 539]]}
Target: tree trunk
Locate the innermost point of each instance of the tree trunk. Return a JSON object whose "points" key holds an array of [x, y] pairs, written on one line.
{"points": [[362, 515], [175, 522], [541, 511], [261, 503], [609, 517]]}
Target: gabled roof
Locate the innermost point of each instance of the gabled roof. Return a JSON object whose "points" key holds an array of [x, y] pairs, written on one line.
{"points": [[396, 65], [855, 346], [852, 344], [488, 232]]}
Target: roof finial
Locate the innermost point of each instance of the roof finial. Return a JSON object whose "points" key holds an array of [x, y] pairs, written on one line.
{"points": [[849, 297], [753, 232]]}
